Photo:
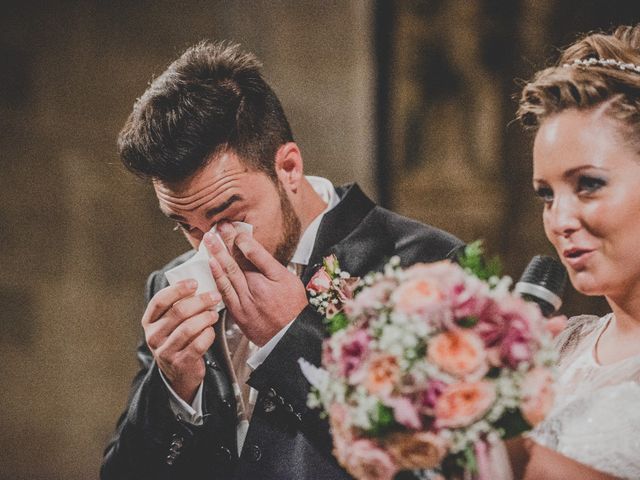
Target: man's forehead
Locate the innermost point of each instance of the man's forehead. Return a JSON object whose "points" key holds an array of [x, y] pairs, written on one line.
{"points": [[196, 193]]}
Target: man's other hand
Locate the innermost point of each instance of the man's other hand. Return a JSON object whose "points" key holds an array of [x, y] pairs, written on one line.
{"points": [[178, 330]]}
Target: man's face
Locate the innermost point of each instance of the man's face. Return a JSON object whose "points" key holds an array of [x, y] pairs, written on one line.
{"points": [[228, 190]]}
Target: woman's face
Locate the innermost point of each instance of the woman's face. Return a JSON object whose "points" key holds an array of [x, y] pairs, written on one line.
{"points": [[589, 180]]}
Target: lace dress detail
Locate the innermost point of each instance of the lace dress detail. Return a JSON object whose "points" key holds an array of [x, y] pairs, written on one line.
{"points": [[596, 416]]}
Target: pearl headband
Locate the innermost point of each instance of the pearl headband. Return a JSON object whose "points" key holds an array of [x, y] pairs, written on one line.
{"points": [[604, 62]]}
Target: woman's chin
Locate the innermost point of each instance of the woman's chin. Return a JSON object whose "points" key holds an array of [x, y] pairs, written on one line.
{"points": [[586, 284]]}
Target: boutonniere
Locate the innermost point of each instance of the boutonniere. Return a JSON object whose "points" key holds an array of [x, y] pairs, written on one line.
{"points": [[329, 289]]}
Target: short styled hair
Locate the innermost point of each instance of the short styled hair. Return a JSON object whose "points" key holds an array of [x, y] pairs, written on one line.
{"points": [[577, 83], [212, 99]]}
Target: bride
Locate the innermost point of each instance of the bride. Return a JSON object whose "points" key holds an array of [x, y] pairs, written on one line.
{"points": [[586, 170]]}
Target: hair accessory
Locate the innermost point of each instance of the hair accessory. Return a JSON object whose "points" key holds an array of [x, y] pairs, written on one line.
{"points": [[604, 62]]}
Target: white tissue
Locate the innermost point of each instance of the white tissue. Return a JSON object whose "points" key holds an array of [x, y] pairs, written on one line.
{"points": [[197, 267]]}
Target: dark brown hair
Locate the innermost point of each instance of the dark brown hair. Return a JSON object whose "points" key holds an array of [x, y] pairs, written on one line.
{"points": [[211, 99], [561, 87]]}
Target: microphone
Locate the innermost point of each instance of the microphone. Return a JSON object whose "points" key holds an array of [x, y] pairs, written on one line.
{"points": [[543, 282]]}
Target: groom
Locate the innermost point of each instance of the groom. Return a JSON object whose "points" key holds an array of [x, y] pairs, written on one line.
{"points": [[220, 395]]}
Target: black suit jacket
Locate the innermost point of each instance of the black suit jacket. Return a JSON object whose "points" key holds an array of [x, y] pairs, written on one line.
{"points": [[285, 440]]}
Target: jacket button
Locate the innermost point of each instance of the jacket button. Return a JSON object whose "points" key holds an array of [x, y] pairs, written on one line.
{"points": [[255, 453], [268, 406], [224, 453], [226, 404], [211, 364], [177, 442]]}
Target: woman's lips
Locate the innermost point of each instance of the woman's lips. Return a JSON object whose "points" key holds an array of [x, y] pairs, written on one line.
{"points": [[577, 258]]}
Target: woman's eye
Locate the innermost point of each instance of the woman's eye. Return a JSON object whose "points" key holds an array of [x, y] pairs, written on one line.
{"points": [[545, 194], [588, 184]]}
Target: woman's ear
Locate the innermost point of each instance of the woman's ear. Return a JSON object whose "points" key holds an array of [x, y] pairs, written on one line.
{"points": [[289, 168]]}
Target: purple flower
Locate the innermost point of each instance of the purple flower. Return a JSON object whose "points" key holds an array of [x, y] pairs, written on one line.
{"points": [[353, 351], [431, 394]]}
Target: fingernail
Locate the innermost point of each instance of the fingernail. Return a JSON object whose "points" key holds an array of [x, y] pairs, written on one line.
{"points": [[214, 296], [208, 239], [191, 284]]}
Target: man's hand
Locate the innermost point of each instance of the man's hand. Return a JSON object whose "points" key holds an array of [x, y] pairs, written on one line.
{"points": [[178, 330], [262, 297]]}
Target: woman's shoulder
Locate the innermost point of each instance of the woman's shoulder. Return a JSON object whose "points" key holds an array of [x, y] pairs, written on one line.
{"points": [[577, 329]]}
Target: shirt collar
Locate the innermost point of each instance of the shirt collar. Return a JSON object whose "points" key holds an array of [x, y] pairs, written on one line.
{"points": [[327, 192]]}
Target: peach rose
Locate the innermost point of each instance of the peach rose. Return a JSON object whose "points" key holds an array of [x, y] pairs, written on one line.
{"points": [[416, 450], [463, 403], [458, 352], [414, 296], [382, 374], [367, 461], [537, 395]]}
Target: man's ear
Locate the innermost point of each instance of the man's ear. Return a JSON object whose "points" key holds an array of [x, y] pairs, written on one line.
{"points": [[289, 168]]}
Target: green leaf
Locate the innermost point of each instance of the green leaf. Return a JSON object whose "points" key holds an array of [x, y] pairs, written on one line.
{"points": [[467, 460], [472, 259], [512, 423], [467, 322], [382, 421], [338, 322]]}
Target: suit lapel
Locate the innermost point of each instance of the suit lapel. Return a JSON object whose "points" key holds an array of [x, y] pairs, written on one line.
{"points": [[348, 232]]}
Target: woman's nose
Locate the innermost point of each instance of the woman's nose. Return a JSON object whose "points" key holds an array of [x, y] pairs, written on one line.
{"points": [[563, 216]]}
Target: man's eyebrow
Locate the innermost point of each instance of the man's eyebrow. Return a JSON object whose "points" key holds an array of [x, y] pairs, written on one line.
{"points": [[222, 207]]}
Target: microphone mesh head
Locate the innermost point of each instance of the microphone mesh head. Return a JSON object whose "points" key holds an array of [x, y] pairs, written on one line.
{"points": [[547, 272]]}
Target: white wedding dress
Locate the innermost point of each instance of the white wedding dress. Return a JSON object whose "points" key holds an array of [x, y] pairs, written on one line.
{"points": [[596, 416]]}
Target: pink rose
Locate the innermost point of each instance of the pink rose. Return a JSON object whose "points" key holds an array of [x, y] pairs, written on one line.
{"points": [[369, 299], [516, 345], [404, 412], [367, 461], [320, 282], [463, 403], [458, 352], [347, 288], [537, 395], [416, 296], [491, 326]]}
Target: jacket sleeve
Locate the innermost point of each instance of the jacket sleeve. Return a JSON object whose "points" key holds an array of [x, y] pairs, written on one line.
{"points": [[151, 442]]}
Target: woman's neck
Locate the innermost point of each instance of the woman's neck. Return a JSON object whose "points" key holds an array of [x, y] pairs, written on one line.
{"points": [[626, 309]]}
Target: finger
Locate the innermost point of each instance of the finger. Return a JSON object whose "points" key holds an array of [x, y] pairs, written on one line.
{"points": [[165, 298], [202, 342], [191, 306], [227, 233], [158, 331], [229, 294], [259, 256], [186, 332], [230, 269]]}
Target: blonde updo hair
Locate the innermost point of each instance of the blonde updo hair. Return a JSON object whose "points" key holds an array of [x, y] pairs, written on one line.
{"points": [[560, 87]]}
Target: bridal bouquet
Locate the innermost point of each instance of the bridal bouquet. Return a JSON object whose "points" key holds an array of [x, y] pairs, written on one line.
{"points": [[426, 367]]}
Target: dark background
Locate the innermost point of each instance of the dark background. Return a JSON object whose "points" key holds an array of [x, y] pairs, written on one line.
{"points": [[413, 99]]}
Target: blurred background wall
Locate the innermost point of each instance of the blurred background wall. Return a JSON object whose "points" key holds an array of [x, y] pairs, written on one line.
{"points": [[410, 98]]}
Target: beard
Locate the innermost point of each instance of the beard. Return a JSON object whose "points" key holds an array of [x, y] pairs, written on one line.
{"points": [[291, 229]]}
